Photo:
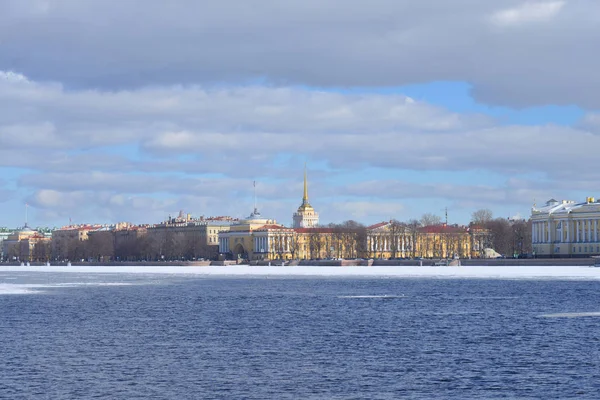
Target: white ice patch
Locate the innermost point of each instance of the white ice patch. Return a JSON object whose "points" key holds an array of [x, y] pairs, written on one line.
{"points": [[463, 272], [384, 296], [572, 315], [75, 284], [31, 288], [8, 288]]}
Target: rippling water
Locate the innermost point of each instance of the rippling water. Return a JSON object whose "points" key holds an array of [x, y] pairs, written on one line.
{"points": [[66, 336]]}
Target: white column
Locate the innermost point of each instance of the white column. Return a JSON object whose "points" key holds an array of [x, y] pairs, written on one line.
{"points": [[589, 236], [577, 231], [534, 232], [567, 226], [596, 230]]}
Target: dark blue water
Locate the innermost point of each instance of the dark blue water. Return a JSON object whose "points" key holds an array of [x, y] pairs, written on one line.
{"points": [[194, 338]]}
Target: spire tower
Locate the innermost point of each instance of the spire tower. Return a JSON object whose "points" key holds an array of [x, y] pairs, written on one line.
{"points": [[305, 197], [305, 217]]}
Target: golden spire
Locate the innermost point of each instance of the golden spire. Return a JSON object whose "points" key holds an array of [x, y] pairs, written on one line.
{"points": [[305, 198]]}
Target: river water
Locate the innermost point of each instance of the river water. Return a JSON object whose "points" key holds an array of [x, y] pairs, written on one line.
{"points": [[148, 336]]}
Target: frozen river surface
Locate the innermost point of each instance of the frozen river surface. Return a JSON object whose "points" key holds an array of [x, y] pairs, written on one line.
{"points": [[300, 333]]}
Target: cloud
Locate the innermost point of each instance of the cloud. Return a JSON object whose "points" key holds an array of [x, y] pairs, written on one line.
{"points": [[103, 153], [527, 12], [343, 44], [362, 210]]}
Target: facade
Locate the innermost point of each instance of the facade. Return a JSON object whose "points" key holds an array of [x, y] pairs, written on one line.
{"points": [[4, 234], [26, 245], [68, 242], [250, 238], [306, 216], [189, 237], [258, 238], [566, 228]]}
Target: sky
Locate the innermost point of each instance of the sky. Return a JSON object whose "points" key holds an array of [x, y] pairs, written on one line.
{"points": [[135, 110]]}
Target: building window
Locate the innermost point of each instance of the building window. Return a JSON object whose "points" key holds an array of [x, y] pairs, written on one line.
{"points": [[585, 249]]}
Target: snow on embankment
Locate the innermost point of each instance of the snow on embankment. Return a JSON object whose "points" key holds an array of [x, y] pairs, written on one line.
{"points": [[483, 272]]}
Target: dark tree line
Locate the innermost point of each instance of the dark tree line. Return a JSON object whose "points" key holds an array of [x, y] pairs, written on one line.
{"points": [[511, 238], [167, 246]]}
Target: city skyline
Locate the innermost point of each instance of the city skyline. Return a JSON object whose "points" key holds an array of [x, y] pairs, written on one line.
{"points": [[398, 110]]}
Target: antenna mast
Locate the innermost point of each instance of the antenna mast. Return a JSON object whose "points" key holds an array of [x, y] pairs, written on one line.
{"points": [[254, 183]]}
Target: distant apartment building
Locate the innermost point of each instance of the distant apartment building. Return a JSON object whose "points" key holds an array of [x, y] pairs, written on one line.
{"points": [[69, 242], [187, 237]]}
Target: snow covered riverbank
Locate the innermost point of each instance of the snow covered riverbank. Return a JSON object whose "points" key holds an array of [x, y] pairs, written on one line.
{"points": [[481, 272]]}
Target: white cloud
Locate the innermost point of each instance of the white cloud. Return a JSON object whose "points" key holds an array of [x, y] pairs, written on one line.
{"points": [[116, 149], [364, 210], [529, 11]]}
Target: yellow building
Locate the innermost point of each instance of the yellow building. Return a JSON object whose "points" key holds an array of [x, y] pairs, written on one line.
{"points": [[397, 240], [249, 238], [258, 238], [26, 245], [566, 228]]}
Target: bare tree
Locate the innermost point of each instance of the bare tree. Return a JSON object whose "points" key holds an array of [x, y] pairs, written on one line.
{"points": [[501, 235], [396, 230], [414, 234], [429, 219], [101, 245], [294, 245], [337, 239], [41, 251], [481, 217], [315, 244]]}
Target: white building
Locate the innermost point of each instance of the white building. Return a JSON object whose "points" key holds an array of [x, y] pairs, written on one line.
{"points": [[566, 229]]}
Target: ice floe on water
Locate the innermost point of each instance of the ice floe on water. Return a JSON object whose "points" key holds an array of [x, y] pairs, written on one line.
{"points": [[15, 289], [32, 288], [572, 315], [383, 296], [463, 272]]}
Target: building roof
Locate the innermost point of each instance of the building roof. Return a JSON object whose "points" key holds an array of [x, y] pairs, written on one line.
{"points": [[443, 228], [271, 226], [315, 230], [378, 225], [566, 206]]}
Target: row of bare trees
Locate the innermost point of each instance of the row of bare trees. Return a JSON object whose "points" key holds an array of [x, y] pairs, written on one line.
{"points": [[167, 246], [510, 237]]}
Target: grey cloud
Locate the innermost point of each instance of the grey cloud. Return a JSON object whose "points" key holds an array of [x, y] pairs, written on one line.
{"points": [[339, 43], [140, 184], [225, 128], [514, 191]]}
